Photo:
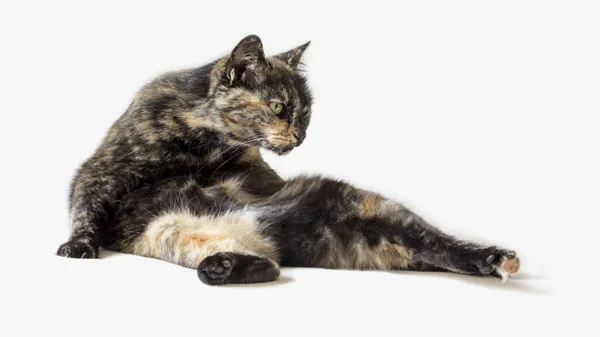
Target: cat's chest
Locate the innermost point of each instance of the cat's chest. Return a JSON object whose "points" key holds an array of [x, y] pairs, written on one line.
{"points": [[208, 164]]}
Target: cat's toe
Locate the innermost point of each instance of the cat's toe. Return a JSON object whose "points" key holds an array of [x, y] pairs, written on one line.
{"points": [[78, 249], [216, 269], [509, 254]]}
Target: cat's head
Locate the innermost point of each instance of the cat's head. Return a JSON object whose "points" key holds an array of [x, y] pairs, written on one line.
{"points": [[263, 101]]}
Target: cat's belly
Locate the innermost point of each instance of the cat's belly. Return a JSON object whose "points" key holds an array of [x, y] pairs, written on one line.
{"points": [[185, 238], [192, 195]]}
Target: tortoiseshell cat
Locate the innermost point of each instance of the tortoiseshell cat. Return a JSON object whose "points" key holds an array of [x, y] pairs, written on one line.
{"points": [[179, 177]]}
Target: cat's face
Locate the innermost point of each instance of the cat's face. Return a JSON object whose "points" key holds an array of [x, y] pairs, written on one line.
{"points": [[264, 101]]}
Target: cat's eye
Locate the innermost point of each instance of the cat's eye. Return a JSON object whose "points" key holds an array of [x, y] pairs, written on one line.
{"points": [[276, 107]]}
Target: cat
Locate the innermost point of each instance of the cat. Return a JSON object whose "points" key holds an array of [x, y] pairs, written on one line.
{"points": [[180, 177]]}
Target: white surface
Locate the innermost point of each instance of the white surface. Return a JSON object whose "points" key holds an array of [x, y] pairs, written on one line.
{"points": [[481, 116]]}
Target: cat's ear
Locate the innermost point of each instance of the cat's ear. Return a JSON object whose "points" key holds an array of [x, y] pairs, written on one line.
{"points": [[292, 57], [246, 61]]}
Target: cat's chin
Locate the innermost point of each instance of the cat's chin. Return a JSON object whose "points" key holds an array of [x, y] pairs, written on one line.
{"points": [[281, 151], [284, 152]]}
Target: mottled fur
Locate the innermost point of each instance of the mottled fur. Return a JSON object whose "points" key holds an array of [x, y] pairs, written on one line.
{"points": [[179, 177]]}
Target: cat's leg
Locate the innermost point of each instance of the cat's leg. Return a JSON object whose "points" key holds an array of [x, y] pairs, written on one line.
{"points": [[225, 248], [93, 193], [330, 224], [430, 248]]}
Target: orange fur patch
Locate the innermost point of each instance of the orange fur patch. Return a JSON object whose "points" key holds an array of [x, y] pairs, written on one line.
{"points": [[369, 205]]}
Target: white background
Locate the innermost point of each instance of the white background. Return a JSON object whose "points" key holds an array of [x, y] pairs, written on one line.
{"points": [[481, 116]]}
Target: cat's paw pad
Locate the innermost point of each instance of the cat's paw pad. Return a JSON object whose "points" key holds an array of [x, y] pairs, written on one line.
{"points": [[508, 266], [216, 269], [501, 263], [78, 249]]}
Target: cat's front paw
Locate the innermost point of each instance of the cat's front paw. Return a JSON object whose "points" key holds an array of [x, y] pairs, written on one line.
{"points": [[498, 262], [215, 269], [228, 268], [78, 249]]}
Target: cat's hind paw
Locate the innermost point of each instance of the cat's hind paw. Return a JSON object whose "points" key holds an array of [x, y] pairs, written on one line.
{"points": [[508, 267], [501, 263]]}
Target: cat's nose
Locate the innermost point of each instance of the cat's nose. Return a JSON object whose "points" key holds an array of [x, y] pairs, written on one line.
{"points": [[299, 139]]}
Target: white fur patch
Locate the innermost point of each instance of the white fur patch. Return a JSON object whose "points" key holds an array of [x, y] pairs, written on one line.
{"points": [[183, 238]]}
